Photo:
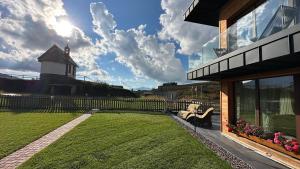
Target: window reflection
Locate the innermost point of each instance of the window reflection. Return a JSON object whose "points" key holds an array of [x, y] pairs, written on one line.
{"points": [[245, 100], [276, 104]]}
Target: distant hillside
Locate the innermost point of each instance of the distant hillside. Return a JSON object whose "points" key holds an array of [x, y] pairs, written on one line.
{"points": [[208, 91], [84, 88], [7, 76], [142, 89]]}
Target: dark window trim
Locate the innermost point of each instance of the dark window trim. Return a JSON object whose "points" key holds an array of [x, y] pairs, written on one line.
{"points": [[234, 115], [74, 70], [297, 100], [69, 68], [257, 104]]}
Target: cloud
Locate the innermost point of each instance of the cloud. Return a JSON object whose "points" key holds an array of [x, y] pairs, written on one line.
{"points": [[103, 21], [27, 30], [134, 82], [144, 54], [189, 36]]}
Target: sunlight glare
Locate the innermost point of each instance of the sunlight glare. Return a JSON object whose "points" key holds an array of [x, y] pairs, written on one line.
{"points": [[64, 28]]}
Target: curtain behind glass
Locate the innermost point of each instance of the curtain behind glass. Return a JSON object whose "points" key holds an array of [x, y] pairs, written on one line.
{"points": [[245, 100], [276, 103]]}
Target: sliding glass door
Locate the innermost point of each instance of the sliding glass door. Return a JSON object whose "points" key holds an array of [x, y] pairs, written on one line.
{"points": [[273, 98]]}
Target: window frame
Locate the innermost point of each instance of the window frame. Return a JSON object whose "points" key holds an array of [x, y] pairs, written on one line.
{"points": [[258, 112], [69, 68]]}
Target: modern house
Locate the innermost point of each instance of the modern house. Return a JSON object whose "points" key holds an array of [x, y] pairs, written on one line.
{"points": [[256, 57], [58, 70]]}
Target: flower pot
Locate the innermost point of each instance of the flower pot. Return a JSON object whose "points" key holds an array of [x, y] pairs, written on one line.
{"points": [[271, 145]]}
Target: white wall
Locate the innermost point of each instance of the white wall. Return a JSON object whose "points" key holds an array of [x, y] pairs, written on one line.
{"points": [[53, 68]]}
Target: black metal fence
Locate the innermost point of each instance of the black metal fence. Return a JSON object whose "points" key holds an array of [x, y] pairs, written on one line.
{"points": [[67, 103]]}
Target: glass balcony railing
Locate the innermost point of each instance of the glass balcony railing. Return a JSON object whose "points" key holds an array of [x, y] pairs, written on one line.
{"points": [[271, 17]]}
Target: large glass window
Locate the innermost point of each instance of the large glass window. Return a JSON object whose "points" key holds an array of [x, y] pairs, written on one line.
{"points": [[274, 99], [265, 13], [276, 105], [245, 100], [268, 18]]}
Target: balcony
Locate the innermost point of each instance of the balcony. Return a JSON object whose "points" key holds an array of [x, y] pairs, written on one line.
{"points": [[266, 21], [204, 12]]}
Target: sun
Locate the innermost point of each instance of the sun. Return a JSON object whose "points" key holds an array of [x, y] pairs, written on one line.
{"points": [[64, 28]]}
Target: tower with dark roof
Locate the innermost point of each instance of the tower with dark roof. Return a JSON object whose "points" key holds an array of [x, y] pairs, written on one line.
{"points": [[67, 51]]}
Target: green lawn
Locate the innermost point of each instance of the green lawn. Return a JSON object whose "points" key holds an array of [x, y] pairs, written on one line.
{"points": [[127, 140], [19, 129]]}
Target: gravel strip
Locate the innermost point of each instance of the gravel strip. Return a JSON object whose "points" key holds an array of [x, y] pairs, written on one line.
{"points": [[234, 161]]}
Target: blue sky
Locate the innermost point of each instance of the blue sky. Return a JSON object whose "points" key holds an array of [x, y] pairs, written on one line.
{"points": [[134, 43], [128, 14]]}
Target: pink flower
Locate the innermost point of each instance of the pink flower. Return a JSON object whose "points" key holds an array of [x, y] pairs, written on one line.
{"points": [[277, 134], [288, 148], [295, 148], [276, 141]]}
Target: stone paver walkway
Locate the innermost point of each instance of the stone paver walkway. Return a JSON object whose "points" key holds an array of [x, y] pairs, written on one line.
{"points": [[17, 158]]}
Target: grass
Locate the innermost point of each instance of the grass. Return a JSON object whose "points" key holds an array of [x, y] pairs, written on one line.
{"points": [[18, 129], [127, 140]]}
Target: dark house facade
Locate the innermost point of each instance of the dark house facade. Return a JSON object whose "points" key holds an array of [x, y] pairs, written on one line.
{"points": [[256, 58], [58, 71], [58, 77]]}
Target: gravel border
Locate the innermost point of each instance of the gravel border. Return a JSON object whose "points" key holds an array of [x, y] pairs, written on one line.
{"points": [[224, 154]]}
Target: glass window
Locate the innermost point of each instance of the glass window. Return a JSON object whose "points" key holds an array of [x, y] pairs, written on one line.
{"points": [[276, 105], [298, 14], [208, 50], [246, 30], [195, 61], [245, 100], [270, 17], [74, 70], [265, 13]]}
